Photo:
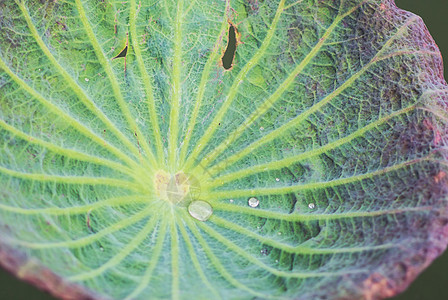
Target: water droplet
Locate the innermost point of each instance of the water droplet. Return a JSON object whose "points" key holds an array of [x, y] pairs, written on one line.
{"points": [[279, 233], [101, 249], [264, 251], [277, 179], [231, 200], [86, 79], [261, 128], [253, 202], [276, 260], [311, 206], [200, 210]]}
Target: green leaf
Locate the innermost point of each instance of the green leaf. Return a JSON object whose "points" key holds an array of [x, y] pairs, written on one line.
{"points": [[220, 149]]}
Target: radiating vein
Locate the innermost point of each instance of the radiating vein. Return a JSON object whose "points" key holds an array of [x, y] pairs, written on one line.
{"points": [[177, 91], [278, 164], [194, 258], [192, 4], [435, 110], [82, 96], [293, 4], [75, 210], [307, 217], [115, 85], [211, 61], [203, 141], [67, 118], [274, 97], [299, 249], [174, 261], [302, 116], [216, 262], [70, 153], [146, 81], [84, 180], [87, 239], [311, 185], [243, 253], [155, 256], [122, 253]]}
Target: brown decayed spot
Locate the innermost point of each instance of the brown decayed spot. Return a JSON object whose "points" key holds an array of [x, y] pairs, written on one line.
{"points": [[376, 286]]}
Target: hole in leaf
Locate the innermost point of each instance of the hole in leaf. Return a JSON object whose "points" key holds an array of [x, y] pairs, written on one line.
{"points": [[229, 54], [123, 52]]}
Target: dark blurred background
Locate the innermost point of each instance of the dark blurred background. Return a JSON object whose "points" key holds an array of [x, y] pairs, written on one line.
{"points": [[431, 284]]}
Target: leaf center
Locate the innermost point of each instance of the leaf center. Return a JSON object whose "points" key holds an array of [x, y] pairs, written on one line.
{"points": [[178, 188]]}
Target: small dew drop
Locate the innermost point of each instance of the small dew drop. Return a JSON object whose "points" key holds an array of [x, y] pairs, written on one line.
{"points": [[231, 200], [261, 128], [264, 251], [279, 233], [86, 79], [277, 179], [276, 260], [311, 206], [101, 249], [253, 202], [200, 210]]}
